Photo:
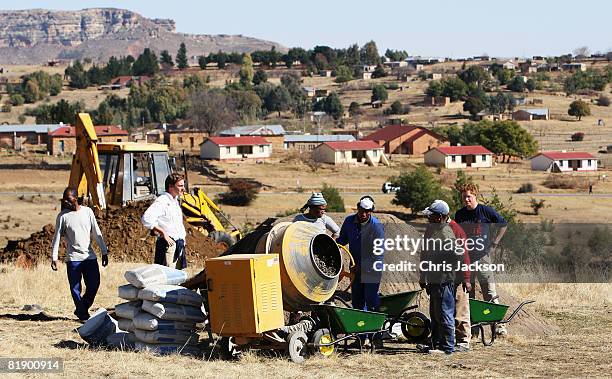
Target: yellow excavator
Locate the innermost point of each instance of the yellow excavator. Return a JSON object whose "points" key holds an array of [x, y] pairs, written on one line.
{"points": [[117, 173]]}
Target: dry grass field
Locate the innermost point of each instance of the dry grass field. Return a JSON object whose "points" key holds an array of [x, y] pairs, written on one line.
{"points": [[580, 349]]}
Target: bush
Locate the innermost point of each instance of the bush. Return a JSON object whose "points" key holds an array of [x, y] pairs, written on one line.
{"points": [[418, 189], [392, 86], [241, 193], [565, 182], [17, 99], [536, 205], [335, 203], [578, 136], [525, 188], [603, 101]]}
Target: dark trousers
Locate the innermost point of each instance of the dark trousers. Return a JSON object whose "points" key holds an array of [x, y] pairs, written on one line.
{"points": [[89, 272], [442, 313], [364, 296], [161, 247]]}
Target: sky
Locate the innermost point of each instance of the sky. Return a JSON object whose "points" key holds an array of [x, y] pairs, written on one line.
{"points": [[446, 28]]}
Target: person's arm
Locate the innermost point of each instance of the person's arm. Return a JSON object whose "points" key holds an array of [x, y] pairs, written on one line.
{"points": [[150, 220], [97, 234], [343, 237], [332, 227], [59, 223], [496, 218]]}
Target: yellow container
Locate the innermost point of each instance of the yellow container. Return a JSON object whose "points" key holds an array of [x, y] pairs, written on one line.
{"points": [[244, 294]]}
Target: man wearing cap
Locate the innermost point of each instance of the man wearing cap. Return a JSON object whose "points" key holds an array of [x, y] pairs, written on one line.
{"points": [[438, 267], [359, 231], [317, 207]]}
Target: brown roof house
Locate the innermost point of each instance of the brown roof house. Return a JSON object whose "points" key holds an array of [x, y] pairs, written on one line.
{"points": [[63, 140], [406, 139]]}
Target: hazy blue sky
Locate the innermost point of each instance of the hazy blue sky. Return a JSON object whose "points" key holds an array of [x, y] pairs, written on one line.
{"points": [[422, 27]]}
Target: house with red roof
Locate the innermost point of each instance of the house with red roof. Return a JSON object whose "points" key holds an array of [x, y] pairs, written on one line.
{"points": [[562, 161], [235, 148], [63, 140], [406, 139], [459, 157], [350, 152], [127, 81]]}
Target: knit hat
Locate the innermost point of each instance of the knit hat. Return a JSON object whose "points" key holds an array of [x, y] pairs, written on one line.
{"points": [[439, 207], [316, 199]]}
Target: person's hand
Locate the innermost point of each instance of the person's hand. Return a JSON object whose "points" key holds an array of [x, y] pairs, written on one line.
{"points": [[467, 287], [54, 265], [105, 260], [169, 240]]}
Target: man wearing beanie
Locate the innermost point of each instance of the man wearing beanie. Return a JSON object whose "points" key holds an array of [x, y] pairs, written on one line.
{"points": [[317, 207]]}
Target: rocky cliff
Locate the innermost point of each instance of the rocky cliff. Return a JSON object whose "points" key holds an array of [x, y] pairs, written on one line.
{"points": [[35, 36]]}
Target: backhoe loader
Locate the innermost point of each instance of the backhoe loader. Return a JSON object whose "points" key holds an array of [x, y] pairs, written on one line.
{"points": [[117, 173]]}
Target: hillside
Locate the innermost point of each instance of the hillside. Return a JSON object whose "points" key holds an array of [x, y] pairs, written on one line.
{"points": [[35, 36]]}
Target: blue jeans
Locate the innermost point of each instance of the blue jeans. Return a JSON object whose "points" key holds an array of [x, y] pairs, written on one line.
{"points": [[364, 296], [90, 273], [442, 313]]}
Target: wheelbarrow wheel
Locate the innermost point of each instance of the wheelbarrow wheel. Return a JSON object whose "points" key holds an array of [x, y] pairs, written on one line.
{"points": [[296, 346], [229, 349], [415, 326], [322, 336]]}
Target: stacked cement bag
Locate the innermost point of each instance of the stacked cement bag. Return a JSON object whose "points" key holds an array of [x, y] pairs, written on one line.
{"points": [[160, 314]]}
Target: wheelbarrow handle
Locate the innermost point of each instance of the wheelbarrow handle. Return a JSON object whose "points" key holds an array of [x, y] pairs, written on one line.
{"points": [[516, 310]]}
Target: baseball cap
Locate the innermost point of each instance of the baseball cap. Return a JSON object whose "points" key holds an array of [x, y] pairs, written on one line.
{"points": [[438, 206]]}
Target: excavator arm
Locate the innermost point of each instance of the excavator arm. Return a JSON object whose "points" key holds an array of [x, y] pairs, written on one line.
{"points": [[85, 173]]}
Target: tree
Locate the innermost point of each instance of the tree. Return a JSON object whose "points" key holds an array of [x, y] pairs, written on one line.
{"points": [[454, 88], [181, 57], [166, 59], [579, 109], [581, 52], [260, 77], [379, 92], [354, 109], [221, 59], [246, 71], [333, 106], [279, 100], [517, 84], [31, 93], [531, 85], [476, 75], [247, 104], [343, 74], [21, 119], [369, 54], [335, 203], [379, 72], [474, 105], [603, 101], [435, 88], [202, 62], [397, 107], [418, 189], [77, 76], [146, 64], [211, 111], [396, 55], [16, 99]]}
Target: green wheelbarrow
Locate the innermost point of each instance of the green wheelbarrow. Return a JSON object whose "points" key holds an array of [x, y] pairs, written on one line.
{"points": [[400, 308], [483, 313]]}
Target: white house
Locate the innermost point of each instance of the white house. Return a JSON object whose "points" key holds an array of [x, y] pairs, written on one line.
{"points": [[560, 161], [459, 157], [351, 152], [509, 65], [235, 148]]}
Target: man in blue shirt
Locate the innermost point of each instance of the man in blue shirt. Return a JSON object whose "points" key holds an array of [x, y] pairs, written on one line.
{"points": [[359, 231]]}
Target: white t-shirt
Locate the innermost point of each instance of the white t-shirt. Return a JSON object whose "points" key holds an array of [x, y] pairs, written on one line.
{"points": [[166, 213], [77, 227], [325, 223]]}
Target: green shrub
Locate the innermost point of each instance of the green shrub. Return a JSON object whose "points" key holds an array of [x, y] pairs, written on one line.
{"points": [[241, 193], [335, 203], [525, 188]]}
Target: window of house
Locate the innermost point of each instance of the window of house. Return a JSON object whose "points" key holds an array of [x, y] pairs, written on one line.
{"points": [[453, 158], [180, 139], [375, 153], [245, 150], [261, 148], [589, 162], [228, 150], [484, 158]]}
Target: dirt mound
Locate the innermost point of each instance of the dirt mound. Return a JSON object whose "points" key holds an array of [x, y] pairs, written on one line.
{"points": [[125, 237]]}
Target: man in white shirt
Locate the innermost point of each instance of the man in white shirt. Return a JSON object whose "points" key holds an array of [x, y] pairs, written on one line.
{"points": [[317, 206], [165, 218], [77, 224]]}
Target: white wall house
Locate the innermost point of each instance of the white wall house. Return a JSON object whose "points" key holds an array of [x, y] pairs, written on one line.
{"points": [[235, 148], [349, 152], [459, 157], [559, 161]]}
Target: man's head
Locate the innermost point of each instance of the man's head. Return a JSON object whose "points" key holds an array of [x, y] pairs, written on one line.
{"points": [[437, 212], [70, 199], [316, 205], [365, 207], [175, 184], [469, 196]]}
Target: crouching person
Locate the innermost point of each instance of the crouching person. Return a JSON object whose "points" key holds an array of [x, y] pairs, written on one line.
{"points": [[438, 265]]}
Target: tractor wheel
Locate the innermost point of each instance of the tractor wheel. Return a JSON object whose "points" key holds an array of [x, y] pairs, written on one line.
{"points": [[223, 239], [415, 326]]}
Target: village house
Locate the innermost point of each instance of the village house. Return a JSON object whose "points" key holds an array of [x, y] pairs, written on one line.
{"points": [[275, 134], [406, 139], [350, 152], [155, 136], [436, 101], [307, 143], [127, 81], [325, 73], [187, 139], [459, 157], [63, 140], [573, 67], [396, 64], [15, 136], [528, 67], [484, 115], [235, 148], [561, 161], [509, 66], [531, 114], [309, 91]]}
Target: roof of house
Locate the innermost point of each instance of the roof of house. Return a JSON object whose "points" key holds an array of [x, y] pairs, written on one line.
{"points": [[254, 130], [554, 155], [101, 131], [536, 111], [392, 132], [353, 145], [462, 150], [38, 128], [319, 138], [237, 141]]}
